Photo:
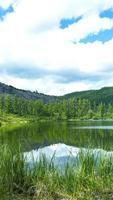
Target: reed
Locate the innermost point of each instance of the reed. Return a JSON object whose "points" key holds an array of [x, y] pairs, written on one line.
{"points": [[87, 178]]}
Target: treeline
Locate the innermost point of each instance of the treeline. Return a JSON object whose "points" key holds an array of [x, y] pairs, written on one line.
{"points": [[77, 108], [72, 108], [21, 106]]}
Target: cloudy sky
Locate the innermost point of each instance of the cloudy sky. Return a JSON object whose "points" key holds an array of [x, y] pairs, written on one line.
{"points": [[56, 46]]}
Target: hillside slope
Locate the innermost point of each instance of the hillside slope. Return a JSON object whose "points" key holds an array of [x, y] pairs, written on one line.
{"points": [[104, 95], [10, 90]]}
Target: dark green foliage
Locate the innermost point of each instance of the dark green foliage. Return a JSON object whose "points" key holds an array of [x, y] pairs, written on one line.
{"points": [[94, 104], [104, 95], [79, 109], [21, 106], [64, 109]]}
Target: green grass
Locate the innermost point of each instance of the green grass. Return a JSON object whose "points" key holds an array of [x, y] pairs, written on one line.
{"points": [[9, 122], [85, 180]]}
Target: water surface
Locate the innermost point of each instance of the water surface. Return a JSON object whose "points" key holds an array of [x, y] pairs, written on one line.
{"points": [[80, 134], [61, 155]]}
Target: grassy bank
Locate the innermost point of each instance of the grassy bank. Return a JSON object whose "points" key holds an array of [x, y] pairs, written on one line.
{"points": [[85, 180], [9, 122]]}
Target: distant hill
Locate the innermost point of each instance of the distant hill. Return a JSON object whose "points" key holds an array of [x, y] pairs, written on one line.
{"points": [[104, 95], [10, 90]]}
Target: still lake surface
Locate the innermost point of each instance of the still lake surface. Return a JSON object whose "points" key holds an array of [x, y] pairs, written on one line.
{"points": [[62, 141], [80, 134]]}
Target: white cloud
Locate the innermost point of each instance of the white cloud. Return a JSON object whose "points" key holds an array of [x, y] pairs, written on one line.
{"points": [[45, 85], [31, 37], [6, 3]]}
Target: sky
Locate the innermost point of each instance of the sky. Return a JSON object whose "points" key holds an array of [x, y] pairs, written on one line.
{"points": [[56, 46]]}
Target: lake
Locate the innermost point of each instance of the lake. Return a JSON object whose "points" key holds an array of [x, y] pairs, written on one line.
{"points": [[78, 155], [80, 134]]}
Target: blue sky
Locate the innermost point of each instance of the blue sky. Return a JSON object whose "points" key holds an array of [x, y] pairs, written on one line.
{"points": [[107, 13], [56, 47], [65, 23], [5, 11], [103, 35]]}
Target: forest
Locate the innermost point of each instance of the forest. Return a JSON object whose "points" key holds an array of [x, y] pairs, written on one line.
{"points": [[73, 108]]}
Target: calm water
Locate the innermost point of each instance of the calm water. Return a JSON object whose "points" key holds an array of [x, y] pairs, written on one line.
{"points": [[82, 134]]}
